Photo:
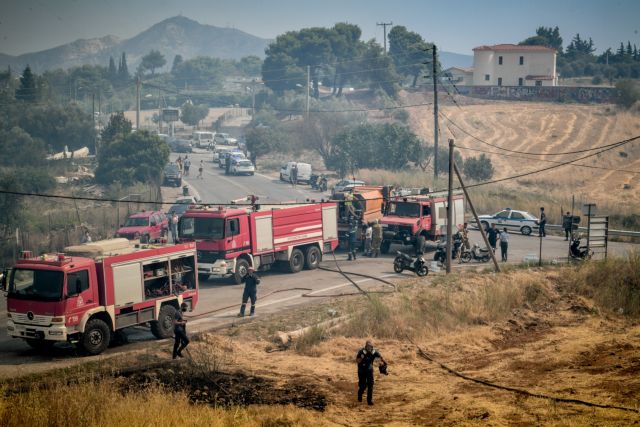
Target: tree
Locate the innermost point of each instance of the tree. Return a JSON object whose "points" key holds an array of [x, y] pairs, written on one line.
{"points": [[546, 36], [154, 59], [193, 114], [131, 158], [123, 69], [627, 93], [177, 61], [478, 168], [113, 72], [261, 140], [20, 149], [249, 66], [409, 52], [201, 72], [27, 90], [118, 127]]}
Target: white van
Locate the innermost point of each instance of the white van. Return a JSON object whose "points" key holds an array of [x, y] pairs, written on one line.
{"points": [[202, 139], [304, 172]]}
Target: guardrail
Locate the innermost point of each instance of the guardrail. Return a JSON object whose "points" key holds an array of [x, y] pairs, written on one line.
{"points": [[623, 233]]}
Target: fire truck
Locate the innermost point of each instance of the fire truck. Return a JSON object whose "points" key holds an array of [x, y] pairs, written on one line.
{"points": [[90, 291], [231, 239], [416, 219]]}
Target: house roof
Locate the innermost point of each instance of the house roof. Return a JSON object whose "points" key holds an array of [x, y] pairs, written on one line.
{"points": [[463, 69], [514, 48]]}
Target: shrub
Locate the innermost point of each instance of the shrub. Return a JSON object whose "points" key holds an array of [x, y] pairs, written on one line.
{"points": [[627, 93], [478, 168]]}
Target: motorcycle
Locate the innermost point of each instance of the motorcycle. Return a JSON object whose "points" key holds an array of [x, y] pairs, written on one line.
{"points": [[579, 252], [318, 182], [441, 250], [405, 262], [476, 253]]}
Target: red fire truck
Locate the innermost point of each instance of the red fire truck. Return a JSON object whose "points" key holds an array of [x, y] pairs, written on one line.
{"points": [[414, 220], [229, 240], [87, 293]]}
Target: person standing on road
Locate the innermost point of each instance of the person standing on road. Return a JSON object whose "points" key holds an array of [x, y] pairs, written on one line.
{"points": [[179, 163], [541, 223], [186, 165], [294, 174], [492, 236], [353, 241], [181, 341], [251, 282], [365, 358], [174, 227], [567, 225], [376, 238], [227, 164], [200, 168], [368, 235], [504, 243]]}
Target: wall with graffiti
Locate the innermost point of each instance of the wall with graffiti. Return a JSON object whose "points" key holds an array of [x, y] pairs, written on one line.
{"points": [[545, 93]]}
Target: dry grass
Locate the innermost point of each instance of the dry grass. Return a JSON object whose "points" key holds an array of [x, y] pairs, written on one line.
{"points": [[308, 342], [102, 403]]}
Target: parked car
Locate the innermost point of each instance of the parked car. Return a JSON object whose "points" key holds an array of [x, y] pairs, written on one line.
{"points": [[304, 171], [172, 175], [182, 204], [146, 226], [219, 151], [237, 155], [513, 220], [345, 185], [242, 166], [180, 146], [224, 139]]}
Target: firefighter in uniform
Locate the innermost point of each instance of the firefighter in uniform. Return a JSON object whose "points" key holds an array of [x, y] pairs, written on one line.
{"points": [[251, 282], [365, 358], [376, 238]]}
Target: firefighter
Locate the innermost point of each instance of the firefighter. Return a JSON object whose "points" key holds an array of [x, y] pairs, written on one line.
{"points": [[348, 204], [376, 238], [353, 240], [251, 282], [180, 331], [365, 358]]}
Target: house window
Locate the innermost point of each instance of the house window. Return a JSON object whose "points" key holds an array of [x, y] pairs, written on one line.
{"points": [[499, 81], [499, 60], [520, 82], [486, 77], [522, 60], [538, 82]]}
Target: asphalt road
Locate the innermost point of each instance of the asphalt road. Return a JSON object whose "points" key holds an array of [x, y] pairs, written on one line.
{"points": [[220, 299]]}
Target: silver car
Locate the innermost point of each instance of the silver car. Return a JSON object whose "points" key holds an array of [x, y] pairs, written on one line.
{"points": [[513, 220]]}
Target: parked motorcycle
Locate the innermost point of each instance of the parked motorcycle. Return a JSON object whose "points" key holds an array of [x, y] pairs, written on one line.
{"points": [[476, 253], [318, 182], [441, 252], [405, 262], [579, 252]]}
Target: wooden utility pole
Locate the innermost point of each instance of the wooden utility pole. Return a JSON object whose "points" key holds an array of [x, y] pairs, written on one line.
{"points": [[475, 215], [138, 103], [450, 208], [384, 25], [435, 115], [308, 88]]}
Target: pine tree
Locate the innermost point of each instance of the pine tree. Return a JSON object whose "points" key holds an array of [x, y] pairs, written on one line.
{"points": [[629, 50], [635, 53], [112, 73], [620, 52], [27, 90]]}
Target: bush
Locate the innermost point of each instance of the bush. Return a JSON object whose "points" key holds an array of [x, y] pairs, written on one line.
{"points": [[627, 93], [596, 80], [478, 168]]}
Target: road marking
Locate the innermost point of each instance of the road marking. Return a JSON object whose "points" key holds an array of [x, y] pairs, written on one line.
{"points": [[227, 313]]}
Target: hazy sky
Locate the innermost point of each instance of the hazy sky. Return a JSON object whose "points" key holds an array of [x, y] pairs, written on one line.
{"points": [[454, 25]]}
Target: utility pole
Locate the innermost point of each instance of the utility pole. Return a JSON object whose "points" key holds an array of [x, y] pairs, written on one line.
{"points": [[450, 209], [93, 117], [308, 89], [384, 25], [159, 112], [138, 103], [435, 115]]}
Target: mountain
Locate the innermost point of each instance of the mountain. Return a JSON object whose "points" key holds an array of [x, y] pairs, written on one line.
{"points": [[450, 59], [177, 35]]}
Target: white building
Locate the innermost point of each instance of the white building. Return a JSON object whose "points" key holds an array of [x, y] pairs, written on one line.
{"points": [[514, 65], [459, 76]]}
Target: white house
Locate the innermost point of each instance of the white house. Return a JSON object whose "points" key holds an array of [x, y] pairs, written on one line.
{"points": [[459, 76], [514, 65]]}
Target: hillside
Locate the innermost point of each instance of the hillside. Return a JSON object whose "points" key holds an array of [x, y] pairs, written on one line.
{"points": [[176, 35], [547, 128]]}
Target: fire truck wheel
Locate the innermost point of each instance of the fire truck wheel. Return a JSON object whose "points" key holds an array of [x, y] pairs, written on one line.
{"points": [[384, 248], [296, 262], [163, 327], [95, 338], [242, 268], [312, 258], [40, 345]]}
